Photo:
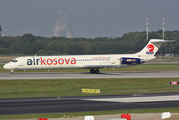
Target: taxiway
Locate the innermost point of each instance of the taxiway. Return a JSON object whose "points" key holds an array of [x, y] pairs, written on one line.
{"points": [[86, 75], [90, 103]]}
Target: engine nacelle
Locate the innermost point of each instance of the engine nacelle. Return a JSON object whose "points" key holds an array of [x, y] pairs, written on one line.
{"points": [[131, 61]]}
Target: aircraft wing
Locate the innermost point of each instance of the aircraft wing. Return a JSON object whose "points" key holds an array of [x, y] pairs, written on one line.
{"points": [[97, 66]]}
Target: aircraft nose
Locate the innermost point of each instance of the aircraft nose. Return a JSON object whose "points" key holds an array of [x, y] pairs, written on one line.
{"points": [[7, 67]]}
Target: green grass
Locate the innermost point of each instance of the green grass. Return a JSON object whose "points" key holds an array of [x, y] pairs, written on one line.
{"points": [[142, 67], [75, 114], [73, 87]]}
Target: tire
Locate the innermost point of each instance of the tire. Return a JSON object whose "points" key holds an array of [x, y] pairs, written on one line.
{"points": [[92, 71], [97, 71]]}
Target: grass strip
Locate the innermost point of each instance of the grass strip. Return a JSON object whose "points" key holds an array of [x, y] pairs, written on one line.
{"points": [[73, 87], [76, 114]]}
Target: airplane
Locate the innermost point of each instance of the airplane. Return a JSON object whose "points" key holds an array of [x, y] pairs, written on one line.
{"points": [[92, 62]]}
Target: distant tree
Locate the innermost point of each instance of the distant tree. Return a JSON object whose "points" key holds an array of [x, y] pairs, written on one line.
{"points": [[41, 52], [154, 35], [4, 50], [168, 35], [160, 31], [25, 45], [28, 37]]}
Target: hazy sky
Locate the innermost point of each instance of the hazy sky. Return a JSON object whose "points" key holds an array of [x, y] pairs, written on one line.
{"points": [[86, 18]]}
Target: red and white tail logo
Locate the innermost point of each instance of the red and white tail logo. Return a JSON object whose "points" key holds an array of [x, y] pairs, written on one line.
{"points": [[150, 49]]}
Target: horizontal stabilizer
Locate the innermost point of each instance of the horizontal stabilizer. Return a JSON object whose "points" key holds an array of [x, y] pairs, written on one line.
{"points": [[160, 41]]}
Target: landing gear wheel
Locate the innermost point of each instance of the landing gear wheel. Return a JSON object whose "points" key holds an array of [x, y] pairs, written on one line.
{"points": [[92, 71], [97, 71]]}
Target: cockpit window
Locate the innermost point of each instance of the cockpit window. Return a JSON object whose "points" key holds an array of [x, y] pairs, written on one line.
{"points": [[14, 60]]}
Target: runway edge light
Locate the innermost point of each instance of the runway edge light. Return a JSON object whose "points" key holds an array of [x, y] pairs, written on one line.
{"points": [[90, 90]]}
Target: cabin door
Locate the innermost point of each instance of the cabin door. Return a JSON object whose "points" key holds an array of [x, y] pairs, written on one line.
{"points": [[113, 61]]}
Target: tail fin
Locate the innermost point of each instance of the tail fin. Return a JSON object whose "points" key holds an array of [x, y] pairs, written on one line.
{"points": [[152, 47]]}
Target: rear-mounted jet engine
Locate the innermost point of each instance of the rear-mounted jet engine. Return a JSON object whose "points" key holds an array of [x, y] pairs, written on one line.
{"points": [[132, 61]]}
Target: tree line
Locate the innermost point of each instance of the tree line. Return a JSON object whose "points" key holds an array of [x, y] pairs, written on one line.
{"points": [[131, 42]]}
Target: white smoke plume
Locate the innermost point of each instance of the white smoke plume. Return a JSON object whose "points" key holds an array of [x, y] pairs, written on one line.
{"points": [[69, 35], [61, 25]]}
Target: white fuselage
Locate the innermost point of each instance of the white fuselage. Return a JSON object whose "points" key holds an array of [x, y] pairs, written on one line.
{"points": [[68, 62]]}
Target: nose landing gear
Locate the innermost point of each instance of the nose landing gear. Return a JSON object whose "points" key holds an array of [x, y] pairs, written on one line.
{"points": [[94, 71], [12, 72]]}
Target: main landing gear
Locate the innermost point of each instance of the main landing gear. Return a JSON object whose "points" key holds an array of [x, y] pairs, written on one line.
{"points": [[94, 71]]}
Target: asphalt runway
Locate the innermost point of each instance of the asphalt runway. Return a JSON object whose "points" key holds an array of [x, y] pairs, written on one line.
{"points": [[92, 103], [87, 75]]}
